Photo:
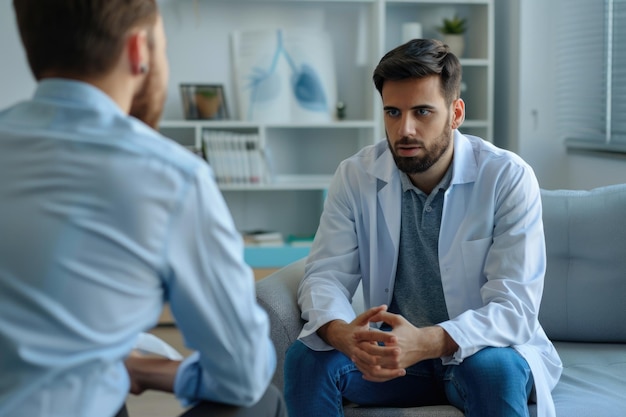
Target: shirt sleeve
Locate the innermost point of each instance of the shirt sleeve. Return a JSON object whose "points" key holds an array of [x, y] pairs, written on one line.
{"points": [[212, 297], [331, 273]]}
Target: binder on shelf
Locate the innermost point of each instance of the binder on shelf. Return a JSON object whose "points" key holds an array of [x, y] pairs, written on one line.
{"points": [[301, 241], [236, 158], [263, 238]]}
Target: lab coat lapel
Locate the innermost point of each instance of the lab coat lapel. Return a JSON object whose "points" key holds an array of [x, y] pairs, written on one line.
{"points": [[464, 171], [387, 226], [388, 195]]}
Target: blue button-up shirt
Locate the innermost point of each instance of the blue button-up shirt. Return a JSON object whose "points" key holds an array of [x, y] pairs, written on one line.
{"points": [[102, 220]]}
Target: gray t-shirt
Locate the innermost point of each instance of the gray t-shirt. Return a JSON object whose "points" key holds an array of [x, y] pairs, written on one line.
{"points": [[418, 293]]}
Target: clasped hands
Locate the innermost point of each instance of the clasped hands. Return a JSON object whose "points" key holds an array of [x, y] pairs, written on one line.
{"points": [[384, 355]]}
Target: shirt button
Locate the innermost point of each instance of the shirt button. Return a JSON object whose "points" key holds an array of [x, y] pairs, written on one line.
{"points": [[429, 209]]}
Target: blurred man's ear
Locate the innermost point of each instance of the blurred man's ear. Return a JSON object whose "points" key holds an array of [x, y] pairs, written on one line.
{"points": [[138, 53]]}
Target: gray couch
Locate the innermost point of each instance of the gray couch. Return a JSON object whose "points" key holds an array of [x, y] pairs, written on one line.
{"points": [[583, 309]]}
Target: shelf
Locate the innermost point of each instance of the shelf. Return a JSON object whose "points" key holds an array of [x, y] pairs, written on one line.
{"points": [[284, 183], [343, 124], [238, 124], [217, 124], [303, 1], [437, 2], [274, 256]]}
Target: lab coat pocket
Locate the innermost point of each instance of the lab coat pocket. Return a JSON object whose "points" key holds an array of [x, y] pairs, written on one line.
{"points": [[474, 254]]}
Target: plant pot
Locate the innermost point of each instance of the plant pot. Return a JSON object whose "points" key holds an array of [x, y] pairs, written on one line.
{"points": [[208, 106], [456, 42]]}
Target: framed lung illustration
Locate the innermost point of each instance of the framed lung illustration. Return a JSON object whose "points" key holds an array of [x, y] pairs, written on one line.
{"points": [[284, 75]]}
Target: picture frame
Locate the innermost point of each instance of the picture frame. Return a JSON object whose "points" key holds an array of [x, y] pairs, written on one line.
{"points": [[204, 101]]}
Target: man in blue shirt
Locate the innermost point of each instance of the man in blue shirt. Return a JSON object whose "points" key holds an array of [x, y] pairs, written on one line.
{"points": [[102, 219]]}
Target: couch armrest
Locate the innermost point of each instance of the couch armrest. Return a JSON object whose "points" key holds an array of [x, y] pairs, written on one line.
{"points": [[277, 294]]}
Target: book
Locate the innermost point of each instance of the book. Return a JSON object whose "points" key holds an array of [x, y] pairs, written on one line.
{"points": [[300, 241], [236, 158], [263, 238]]}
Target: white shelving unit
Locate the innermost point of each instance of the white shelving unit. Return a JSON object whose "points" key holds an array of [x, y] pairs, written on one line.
{"points": [[303, 157]]}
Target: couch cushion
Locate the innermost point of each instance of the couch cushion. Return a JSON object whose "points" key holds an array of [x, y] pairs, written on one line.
{"points": [[585, 285], [277, 295], [593, 381], [434, 411]]}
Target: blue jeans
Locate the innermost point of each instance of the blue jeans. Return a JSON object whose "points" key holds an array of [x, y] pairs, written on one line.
{"points": [[494, 382]]}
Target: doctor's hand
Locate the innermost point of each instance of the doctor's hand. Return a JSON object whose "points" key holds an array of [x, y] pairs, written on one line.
{"points": [[408, 344], [368, 356]]}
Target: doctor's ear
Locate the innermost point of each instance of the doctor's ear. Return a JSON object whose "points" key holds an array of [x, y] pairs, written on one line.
{"points": [[458, 113]]}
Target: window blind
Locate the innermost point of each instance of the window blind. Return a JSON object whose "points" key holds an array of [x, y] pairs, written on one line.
{"points": [[618, 109], [591, 73]]}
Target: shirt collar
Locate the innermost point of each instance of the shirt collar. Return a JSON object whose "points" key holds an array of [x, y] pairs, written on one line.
{"points": [[443, 184], [77, 93]]}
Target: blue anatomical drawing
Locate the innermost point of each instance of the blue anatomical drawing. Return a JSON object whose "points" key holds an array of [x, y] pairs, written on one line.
{"points": [[285, 83]]}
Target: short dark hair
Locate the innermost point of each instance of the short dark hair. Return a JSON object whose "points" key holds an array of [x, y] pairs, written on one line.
{"points": [[420, 58], [79, 37]]}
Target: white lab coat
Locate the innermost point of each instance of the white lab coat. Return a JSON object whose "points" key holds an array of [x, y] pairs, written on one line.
{"points": [[491, 246]]}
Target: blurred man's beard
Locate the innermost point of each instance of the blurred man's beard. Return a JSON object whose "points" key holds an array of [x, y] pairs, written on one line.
{"points": [[416, 165], [147, 104]]}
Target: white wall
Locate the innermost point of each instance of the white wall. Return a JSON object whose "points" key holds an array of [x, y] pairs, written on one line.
{"points": [[588, 170], [525, 105], [524, 88], [16, 81]]}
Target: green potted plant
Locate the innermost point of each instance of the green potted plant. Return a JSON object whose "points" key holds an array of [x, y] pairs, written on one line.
{"points": [[208, 102], [452, 30]]}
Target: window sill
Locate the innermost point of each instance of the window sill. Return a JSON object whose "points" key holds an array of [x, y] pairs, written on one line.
{"points": [[595, 147]]}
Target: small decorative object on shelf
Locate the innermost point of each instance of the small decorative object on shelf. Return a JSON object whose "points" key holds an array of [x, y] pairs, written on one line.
{"points": [[452, 31], [341, 110], [204, 101]]}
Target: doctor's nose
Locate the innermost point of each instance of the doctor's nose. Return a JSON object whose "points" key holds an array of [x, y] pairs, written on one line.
{"points": [[406, 126]]}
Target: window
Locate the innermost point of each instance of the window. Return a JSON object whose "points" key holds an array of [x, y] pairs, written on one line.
{"points": [[591, 65]]}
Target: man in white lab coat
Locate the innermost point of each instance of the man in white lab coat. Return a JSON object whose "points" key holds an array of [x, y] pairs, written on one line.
{"points": [[444, 232]]}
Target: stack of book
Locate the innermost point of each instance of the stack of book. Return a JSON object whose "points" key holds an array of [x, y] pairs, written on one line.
{"points": [[236, 158], [300, 240], [263, 238]]}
